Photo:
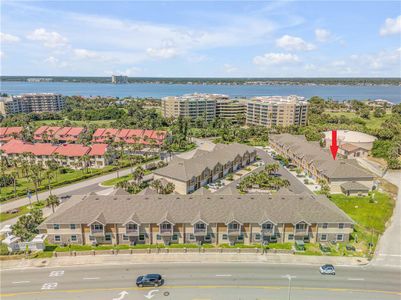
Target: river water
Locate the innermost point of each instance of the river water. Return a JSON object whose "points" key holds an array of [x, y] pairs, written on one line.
{"points": [[156, 90]]}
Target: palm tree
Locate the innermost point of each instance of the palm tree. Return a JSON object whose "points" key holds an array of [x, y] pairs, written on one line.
{"points": [[49, 176], [138, 174], [157, 185], [14, 176], [52, 201]]}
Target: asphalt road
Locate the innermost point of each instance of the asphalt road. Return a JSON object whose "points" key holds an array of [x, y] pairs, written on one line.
{"points": [[201, 281]]}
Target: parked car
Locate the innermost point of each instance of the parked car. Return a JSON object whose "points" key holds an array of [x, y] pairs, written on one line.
{"points": [[327, 270], [149, 280]]}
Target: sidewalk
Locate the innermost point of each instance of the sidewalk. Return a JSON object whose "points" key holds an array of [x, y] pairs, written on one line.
{"points": [[125, 259]]}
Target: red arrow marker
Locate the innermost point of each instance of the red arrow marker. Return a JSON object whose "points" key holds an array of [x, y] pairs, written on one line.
{"points": [[334, 147]]}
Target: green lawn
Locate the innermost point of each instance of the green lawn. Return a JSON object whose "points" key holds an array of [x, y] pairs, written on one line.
{"points": [[22, 211], [372, 122], [114, 181], [370, 214]]}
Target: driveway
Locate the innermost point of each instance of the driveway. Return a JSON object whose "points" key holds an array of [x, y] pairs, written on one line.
{"points": [[388, 252]]}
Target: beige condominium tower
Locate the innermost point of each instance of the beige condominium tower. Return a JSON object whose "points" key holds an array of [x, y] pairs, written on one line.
{"points": [[277, 111]]}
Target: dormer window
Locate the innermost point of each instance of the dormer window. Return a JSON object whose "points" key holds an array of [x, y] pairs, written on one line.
{"points": [[97, 227], [300, 226], [267, 226], [200, 226], [132, 226], [233, 226]]}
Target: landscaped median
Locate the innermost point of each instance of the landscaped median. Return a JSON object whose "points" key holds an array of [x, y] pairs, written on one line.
{"points": [[4, 216]]}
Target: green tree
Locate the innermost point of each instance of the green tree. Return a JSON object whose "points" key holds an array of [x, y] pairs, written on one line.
{"points": [[27, 225], [52, 201]]}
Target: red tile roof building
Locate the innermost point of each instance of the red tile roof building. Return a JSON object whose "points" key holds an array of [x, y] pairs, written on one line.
{"points": [[9, 133], [67, 154], [129, 136], [61, 134]]}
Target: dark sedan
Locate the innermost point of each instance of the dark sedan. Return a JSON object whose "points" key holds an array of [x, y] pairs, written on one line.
{"points": [[149, 280]]}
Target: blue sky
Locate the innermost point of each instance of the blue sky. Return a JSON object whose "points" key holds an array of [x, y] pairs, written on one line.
{"points": [[201, 39]]}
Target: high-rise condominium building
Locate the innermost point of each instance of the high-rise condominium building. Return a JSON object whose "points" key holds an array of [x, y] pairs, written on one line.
{"points": [[191, 106], [119, 79], [231, 109], [28, 103], [277, 111]]}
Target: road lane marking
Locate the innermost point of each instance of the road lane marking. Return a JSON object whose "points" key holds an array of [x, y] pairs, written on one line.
{"points": [[122, 295], [18, 282], [56, 273], [91, 278], [205, 287], [151, 294], [49, 286], [224, 275], [356, 279]]}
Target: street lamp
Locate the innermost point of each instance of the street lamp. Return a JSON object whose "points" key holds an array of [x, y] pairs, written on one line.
{"points": [[289, 277]]}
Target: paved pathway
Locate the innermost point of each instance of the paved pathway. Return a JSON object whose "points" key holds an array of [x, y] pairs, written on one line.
{"points": [[388, 252]]}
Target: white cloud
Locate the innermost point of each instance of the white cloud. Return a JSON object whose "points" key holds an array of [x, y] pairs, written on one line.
{"points": [[391, 26], [275, 59], [322, 35], [293, 43], [55, 62], [50, 39], [382, 60], [8, 38], [164, 52], [230, 69], [85, 54]]}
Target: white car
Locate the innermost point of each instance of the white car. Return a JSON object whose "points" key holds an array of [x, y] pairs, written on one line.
{"points": [[327, 270]]}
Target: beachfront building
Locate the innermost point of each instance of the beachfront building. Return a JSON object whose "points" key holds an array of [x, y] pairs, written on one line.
{"points": [[74, 156], [318, 163], [117, 79], [205, 166], [191, 106], [352, 144], [231, 109], [33, 103], [271, 111], [185, 219]]}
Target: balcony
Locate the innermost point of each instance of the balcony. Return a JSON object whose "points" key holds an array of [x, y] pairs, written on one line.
{"points": [[234, 232], [97, 233], [200, 231], [132, 232], [266, 231], [166, 232]]}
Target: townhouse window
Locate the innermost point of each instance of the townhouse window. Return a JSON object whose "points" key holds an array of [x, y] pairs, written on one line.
{"points": [[208, 237], [325, 225], [97, 227], [73, 238], [200, 226], [290, 237], [300, 226], [341, 226], [125, 237], [158, 237], [131, 226], [257, 237], [224, 237], [166, 226], [191, 236], [267, 226], [233, 226], [92, 238], [340, 237], [174, 237], [141, 237], [323, 237], [107, 237], [72, 226], [57, 238], [56, 226], [241, 237]]}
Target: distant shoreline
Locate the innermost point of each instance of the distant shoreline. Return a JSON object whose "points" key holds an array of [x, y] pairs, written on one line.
{"points": [[216, 81]]}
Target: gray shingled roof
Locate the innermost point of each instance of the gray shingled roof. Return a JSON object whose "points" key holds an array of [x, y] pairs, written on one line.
{"points": [[321, 158], [185, 169], [354, 186], [280, 208]]}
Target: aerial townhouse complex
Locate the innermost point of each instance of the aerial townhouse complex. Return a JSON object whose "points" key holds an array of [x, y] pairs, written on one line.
{"points": [[277, 111], [214, 219], [343, 175], [190, 174], [75, 156], [32, 103], [9, 133]]}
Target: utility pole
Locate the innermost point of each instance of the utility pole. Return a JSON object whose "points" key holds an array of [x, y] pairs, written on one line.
{"points": [[289, 277]]}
